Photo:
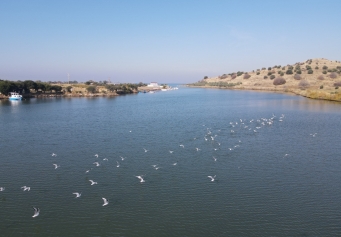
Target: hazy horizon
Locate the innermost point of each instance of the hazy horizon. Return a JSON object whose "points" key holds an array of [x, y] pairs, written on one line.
{"points": [[173, 42]]}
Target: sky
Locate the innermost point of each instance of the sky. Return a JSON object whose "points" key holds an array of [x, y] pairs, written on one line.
{"points": [[178, 41]]}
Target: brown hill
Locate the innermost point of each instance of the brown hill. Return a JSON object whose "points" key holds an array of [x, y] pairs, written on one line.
{"points": [[314, 78]]}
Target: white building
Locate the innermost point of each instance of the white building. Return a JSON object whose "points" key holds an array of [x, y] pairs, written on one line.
{"points": [[153, 84]]}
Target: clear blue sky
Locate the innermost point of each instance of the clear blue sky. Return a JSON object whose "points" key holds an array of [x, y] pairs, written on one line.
{"points": [[165, 41]]}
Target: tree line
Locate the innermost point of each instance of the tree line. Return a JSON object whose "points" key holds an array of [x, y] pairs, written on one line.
{"points": [[25, 86]]}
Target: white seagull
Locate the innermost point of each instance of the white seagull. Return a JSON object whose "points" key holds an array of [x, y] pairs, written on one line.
{"points": [[106, 202], [197, 149], [175, 163], [96, 155], [2, 189], [96, 163], [92, 182], [140, 178], [25, 188], [118, 164], [53, 154], [182, 146], [36, 212], [171, 152], [56, 166], [145, 150], [105, 159], [77, 194], [215, 159], [212, 178], [122, 158]]}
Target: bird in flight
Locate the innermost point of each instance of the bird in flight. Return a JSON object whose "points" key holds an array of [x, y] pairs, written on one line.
{"points": [[92, 182], [2, 189], [105, 159], [106, 202], [215, 159], [36, 212], [182, 146], [25, 188], [77, 194], [145, 150], [122, 158], [56, 166], [175, 163], [96, 163], [212, 178], [118, 164], [53, 154], [171, 152], [197, 149], [96, 155], [140, 177]]}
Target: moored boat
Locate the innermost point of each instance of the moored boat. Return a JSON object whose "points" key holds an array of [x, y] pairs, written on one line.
{"points": [[15, 96]]}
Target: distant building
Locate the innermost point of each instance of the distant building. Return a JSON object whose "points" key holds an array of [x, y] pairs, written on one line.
{"points": [[153, 84]]}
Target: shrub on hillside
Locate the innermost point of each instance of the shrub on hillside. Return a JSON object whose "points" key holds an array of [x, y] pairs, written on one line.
{"points": [[298, 72], [310, 71], [283, 68], [269, 73], [316, 67], [269, 68], [324, 72], [333, 75], [258, 73], [279, 81], [265, 77], [279, 72], [297, 77], [321, 87], [321, 77], [263, 68], [303, 84], [307, 67], [337, 83], [282, 74], [239, 73], [205, 77], [224, 76], [246, 76], [324, 67], [272, 77], [233, 76], [289, 72], [290, 67]]}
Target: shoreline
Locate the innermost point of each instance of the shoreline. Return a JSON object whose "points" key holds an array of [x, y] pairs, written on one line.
{"points": [[307, 93]]}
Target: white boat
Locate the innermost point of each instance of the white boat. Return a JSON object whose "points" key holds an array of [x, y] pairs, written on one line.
{"points": [[15, 96]]}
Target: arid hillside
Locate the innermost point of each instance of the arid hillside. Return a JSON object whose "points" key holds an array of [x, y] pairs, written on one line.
{"points": [[314, 78]]}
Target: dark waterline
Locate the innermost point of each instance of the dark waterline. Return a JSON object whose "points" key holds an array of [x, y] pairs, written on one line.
{"points": [[258, 191]]}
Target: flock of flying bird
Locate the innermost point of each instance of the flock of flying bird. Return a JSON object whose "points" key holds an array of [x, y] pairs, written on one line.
{"points": [[252, 125]]}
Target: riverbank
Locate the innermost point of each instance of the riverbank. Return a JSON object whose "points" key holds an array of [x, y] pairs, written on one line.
{"points": [[315, 79]]}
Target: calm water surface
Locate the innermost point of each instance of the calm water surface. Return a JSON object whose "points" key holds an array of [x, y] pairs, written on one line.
{"points": [[271, 179]]}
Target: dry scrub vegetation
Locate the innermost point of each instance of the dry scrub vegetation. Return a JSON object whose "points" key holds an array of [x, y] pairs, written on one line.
{"points": [[315, 78]]}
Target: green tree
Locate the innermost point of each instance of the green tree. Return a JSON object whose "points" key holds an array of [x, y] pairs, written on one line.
{"points": [[6, 87], [91, 89]]}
